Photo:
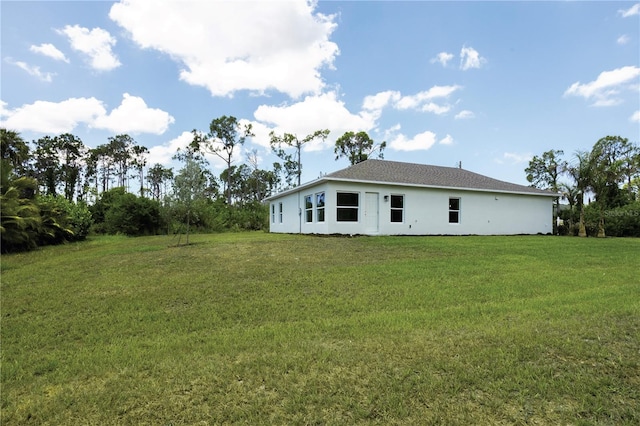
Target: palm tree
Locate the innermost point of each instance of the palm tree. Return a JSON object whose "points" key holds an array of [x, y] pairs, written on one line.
{"points": [[570, 193], [580, 172], [607, 163], [14, 150], [20, 217]]}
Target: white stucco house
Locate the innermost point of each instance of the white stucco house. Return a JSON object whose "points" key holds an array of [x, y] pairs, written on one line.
{"points": [[380, 197]]}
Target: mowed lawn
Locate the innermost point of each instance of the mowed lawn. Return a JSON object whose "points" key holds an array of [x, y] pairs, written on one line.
{"points": [[254, 328]]}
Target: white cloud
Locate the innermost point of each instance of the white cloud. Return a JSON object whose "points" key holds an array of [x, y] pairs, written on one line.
{"points": [[464, 115], [53, 117], [96, 44], [606, 102], [421, 141], [32, 70], [514, 158], [48, 49], [447, 140], [623, 39], [435, 108], [326, 111], [633, 10], [635, 117], [392, 131], [313, 113], [422, 100], [440, 91], [231, 46], [443, 58], [133, 116], [380, 100], [605, 89], [470, 58], [162, 154], [409, 102], [261, 132]]}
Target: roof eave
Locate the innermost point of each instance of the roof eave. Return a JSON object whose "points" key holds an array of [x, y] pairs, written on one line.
{"points": [[459, 188], [414, 185], [294, 189]]}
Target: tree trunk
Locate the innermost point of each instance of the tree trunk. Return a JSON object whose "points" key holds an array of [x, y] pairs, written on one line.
{"points": [[141, 183], [556, 213], [188, 217], [229, 184], [299, 148], [601, 233], [582, 232], [570, 218]]}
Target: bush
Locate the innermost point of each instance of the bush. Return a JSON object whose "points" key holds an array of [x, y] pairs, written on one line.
{"points": [[101, 206], [54, 228], [216, 216], [63, 220], [619, 222], [119, 212], [80, 219], [29, 221], [252, 216], [20, 220], [623, 221]]}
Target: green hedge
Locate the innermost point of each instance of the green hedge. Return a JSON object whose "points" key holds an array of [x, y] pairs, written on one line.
{"points": [[619, 222]]}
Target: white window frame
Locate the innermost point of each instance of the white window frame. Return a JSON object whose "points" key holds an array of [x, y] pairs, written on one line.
{"points": [[395, 209], [320, 208], [340, 207], [458, 211], [308, 208]]}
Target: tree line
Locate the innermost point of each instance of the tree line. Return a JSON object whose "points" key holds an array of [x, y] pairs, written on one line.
{"points": [[57, 189], [607, 177]]}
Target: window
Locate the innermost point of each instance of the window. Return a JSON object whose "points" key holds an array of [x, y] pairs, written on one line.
{"points": [[308, 208], [347, 203], [397, 208], [320, 206], [454, 210], [273, 213], [280, 213]]}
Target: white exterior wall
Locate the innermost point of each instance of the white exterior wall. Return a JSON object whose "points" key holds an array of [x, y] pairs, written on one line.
{"points": [[293, 218], [426, 212]]}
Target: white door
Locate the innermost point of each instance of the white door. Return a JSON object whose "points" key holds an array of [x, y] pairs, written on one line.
{"points": [[371, 212]]}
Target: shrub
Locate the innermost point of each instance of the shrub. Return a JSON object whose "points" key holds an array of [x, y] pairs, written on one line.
{"points": [[54, 228], [623, 221], [20, 214], [80, 219], [251, 216], [63, 220], [101, 206], [119, 212], [619, 222], [132, 215]]}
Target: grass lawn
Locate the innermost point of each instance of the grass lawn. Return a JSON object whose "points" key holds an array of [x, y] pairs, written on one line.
{"points": [[256, 328]]}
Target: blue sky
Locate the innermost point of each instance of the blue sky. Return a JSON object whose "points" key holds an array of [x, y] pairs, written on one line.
{"points": [[489, 84]]}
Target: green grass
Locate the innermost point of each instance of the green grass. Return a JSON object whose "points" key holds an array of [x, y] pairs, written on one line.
{"points": [[255, 328]]}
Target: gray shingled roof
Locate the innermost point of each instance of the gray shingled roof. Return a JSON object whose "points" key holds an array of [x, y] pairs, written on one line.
{"points": [[425, 175]]}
